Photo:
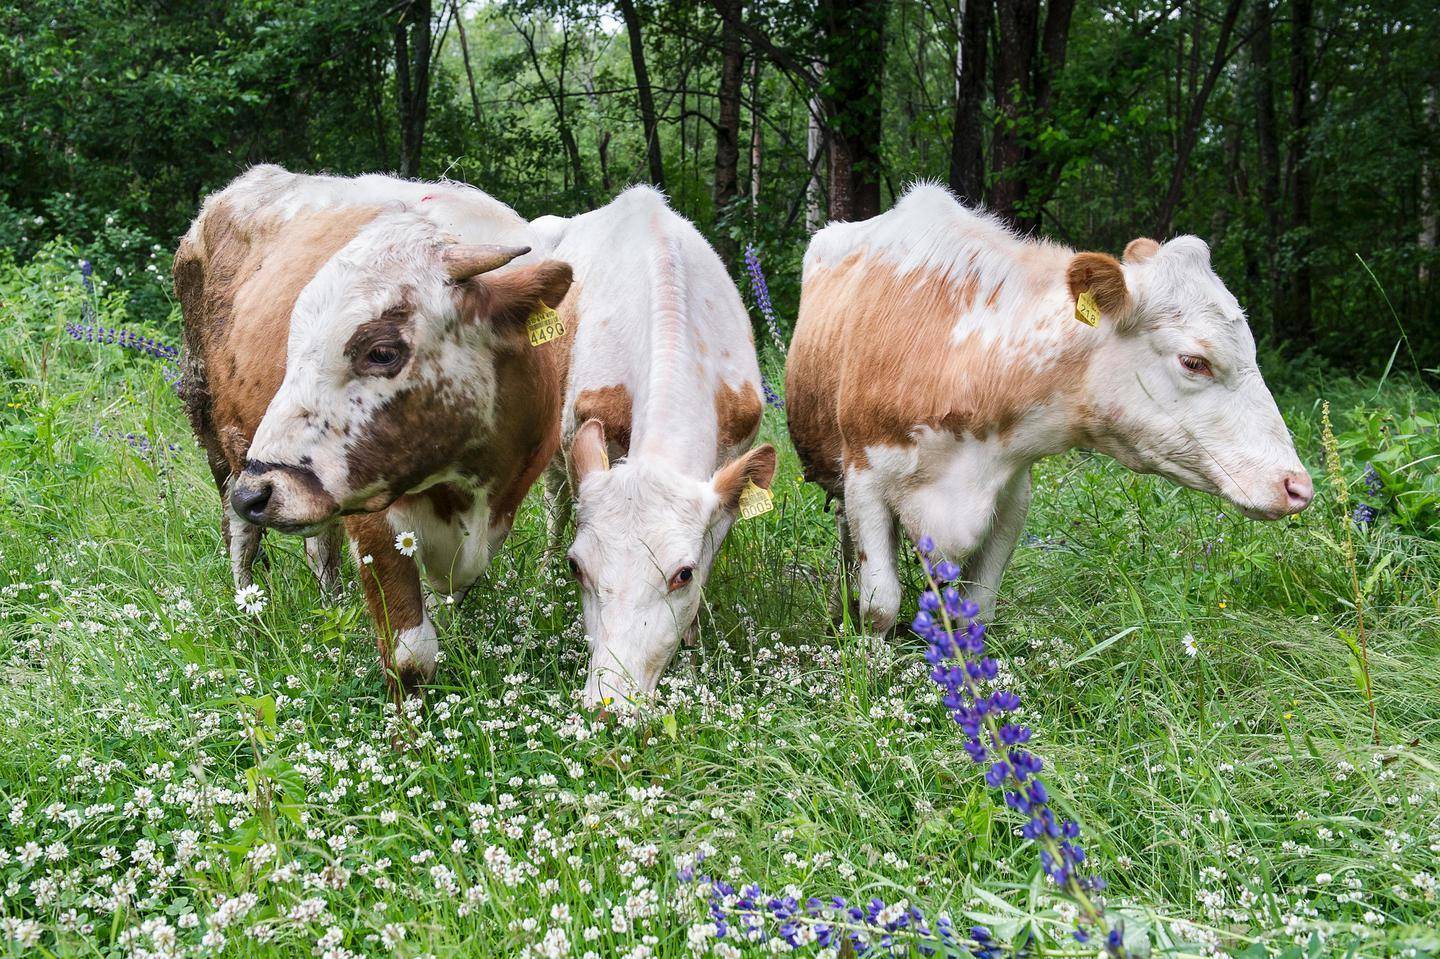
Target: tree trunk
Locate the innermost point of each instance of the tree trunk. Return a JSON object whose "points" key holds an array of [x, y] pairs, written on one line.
{"points": [[1016, 33], [465, 56], [727, 128], [647, 99], [814, 188], [855, 47], [754, 136], [1267, 144], [967, 156], [1296, 325], [1191, 131], [1429, 221], [412, 82]]}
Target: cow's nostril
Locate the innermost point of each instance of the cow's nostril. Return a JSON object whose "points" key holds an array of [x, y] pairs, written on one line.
{"points": [[250, 500], [1299, 490]]}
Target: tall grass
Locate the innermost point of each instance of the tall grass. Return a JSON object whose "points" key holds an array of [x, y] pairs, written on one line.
{"points": [[181, 778]]}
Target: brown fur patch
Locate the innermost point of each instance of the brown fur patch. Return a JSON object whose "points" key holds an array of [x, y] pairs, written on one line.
{"points": [[737, 414], [1101, 275], [391, 581], [612, 407], [873, 360]]}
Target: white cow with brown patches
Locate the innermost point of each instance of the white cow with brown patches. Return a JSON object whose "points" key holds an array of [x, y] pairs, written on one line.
{"points": [[356, 348], [938, 355], [661, 405]]}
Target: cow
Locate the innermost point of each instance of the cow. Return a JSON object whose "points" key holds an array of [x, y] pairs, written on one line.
{"points": [[937, 356], [661, 406], [356, 355]]}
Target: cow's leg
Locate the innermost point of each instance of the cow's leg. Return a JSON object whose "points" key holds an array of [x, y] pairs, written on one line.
{"points": [[322, 554], [871, 525], [242, 540], [843, 595], [987, 564], [409, 645], [559, 505]]}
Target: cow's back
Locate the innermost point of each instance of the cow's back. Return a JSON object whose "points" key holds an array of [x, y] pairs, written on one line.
{"points": [[656, 314]]}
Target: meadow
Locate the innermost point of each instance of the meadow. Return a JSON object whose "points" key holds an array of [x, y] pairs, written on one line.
{"points": [[182, 777]]}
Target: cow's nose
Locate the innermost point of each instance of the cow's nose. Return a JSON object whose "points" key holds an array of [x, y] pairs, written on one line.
{"points": [[1299, 491], [250, 498]]}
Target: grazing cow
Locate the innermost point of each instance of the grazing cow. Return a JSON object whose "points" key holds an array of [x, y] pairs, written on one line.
{"points": [[353, 350], [662, 381], [938, 355]]}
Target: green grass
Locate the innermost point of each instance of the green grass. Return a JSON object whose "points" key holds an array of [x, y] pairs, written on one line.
{"points": [[1232, 797]]}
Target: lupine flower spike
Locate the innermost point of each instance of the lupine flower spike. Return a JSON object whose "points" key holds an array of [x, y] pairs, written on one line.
{"points": [[762, 296], [761, 290], [956, 653], [959, 666]]}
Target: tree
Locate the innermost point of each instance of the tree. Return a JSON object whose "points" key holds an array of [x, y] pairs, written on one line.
{"points": [[647, 100], [412, 81], [967, 160], [851, 95]]}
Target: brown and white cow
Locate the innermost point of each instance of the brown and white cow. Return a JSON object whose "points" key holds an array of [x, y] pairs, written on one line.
{"points": [[662, 402], [938, 355], [354, 349]]}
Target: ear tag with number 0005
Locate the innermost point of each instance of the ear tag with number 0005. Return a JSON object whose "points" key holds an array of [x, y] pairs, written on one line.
{"points": [[544, 325], [755, 501], [1087, 311]]}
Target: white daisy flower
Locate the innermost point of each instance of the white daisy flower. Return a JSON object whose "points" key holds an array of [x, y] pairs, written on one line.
{"points": [[406, 543], [251, 600], [1192, 648]]}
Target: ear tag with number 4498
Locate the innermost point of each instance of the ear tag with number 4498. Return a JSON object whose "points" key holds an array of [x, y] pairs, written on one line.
{"points": [[544, 325], [1087, 311], [755, 501]]}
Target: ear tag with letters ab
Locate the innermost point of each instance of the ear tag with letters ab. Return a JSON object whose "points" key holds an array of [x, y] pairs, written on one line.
{"points": [[544, 325], [1087, 311], [755, 501]]}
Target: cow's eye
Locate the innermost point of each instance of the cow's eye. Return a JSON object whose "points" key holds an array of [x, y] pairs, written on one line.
{"points": [[575, 571], [682, 577], [1196, 364], [384, 355]]}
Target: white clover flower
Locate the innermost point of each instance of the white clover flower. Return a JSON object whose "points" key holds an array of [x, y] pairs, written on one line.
{"points": [[406, 543], [251, 599]]}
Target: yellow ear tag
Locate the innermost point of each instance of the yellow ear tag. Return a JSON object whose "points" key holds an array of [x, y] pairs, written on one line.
{"points": [[544, 325], [1087, 311], [755, 501]]}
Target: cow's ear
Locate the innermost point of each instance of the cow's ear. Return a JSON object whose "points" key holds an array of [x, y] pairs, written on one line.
{"points": [[1102, 277], [587, 450], [510, 299], [1140, 249], [756, 466]]}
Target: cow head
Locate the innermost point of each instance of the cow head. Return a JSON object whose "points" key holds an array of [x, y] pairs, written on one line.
{"points": [[1173, 385], [646, 536], [390, 372]]}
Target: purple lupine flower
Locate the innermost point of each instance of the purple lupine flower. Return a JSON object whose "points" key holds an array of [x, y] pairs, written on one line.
{"points": [[130, 340], [1372, 479], [762, 296], [772, 398], [960, 667], [1364, 515]]}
